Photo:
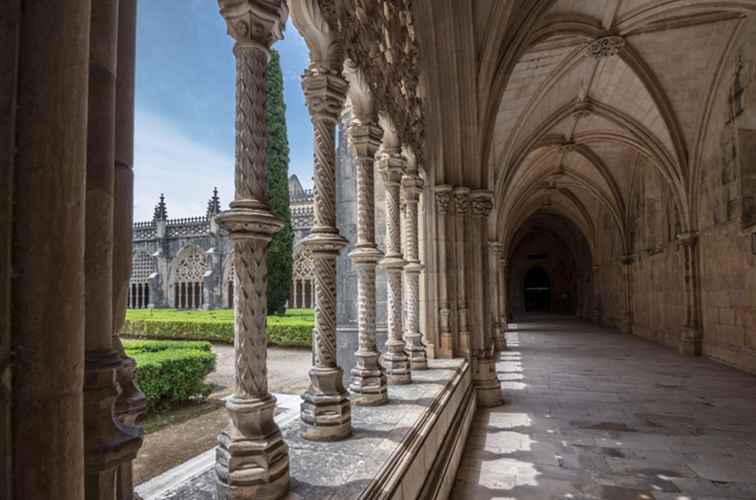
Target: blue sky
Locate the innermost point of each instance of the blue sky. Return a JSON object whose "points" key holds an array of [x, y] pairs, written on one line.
{"points": [[184, 137]]}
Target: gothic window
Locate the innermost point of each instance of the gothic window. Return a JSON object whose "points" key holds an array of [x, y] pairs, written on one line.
{"points": [[301, 295], [191, 265], [142, 266]]}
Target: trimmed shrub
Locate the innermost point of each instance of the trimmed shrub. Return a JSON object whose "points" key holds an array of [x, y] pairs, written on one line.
{"points": [[294, 329], [171, 372]]}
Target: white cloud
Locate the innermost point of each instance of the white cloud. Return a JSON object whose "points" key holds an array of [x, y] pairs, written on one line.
{"points": [[167, 161]]}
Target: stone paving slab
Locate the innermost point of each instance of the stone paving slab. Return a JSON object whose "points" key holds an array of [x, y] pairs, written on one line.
{"points": [[594, 414], [343, 469]]}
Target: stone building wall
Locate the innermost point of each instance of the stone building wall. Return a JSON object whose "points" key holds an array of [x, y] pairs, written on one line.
{"points": [[727, 214]]}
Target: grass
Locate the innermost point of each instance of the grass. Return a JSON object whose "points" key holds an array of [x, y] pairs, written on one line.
{"points": [[214, 315]]}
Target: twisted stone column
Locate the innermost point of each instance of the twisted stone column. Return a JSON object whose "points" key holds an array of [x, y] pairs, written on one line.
{"points": [[368, 380], [443, 202], [461, 208], [326, 409], [412, 185], [252, 460], [395, 360], [108, 443], [690, 339]]}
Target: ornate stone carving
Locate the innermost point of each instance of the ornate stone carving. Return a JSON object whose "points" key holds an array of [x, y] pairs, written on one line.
{"points": [[583, 109], [395, 361], [251, 458], [326, 410], [606, 46], [443, 202], [412, 186], [368, 384]]}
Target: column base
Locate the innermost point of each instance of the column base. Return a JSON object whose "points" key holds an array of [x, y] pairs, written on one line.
{"points": [[108, 443], [396, 366], [368, 386], [487, 386], [691, 343], [500, 339], [252, 459], [464, 343], [446, 349], [326, 410], [415, 351]]}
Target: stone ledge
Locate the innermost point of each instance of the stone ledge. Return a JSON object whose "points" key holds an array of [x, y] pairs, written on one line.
{"points": [[397, 451]]}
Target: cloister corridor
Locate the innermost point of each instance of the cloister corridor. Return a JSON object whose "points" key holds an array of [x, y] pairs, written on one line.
{"points": [[592, 413]]}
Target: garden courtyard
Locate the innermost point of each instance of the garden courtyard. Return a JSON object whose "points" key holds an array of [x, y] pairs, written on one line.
{"points": [[181, 426]]}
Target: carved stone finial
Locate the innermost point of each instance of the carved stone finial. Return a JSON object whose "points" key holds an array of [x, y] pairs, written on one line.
{"points": [[161, 210], [213, 204], [606, 46]]}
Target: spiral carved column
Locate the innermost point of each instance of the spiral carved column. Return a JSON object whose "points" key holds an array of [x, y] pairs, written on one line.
{"points": [[395, 360], [368, 384], [412, 185], [252, 460], [326, 410]]}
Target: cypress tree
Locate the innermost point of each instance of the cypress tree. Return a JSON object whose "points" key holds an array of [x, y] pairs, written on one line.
{"points": [[280, 250]]}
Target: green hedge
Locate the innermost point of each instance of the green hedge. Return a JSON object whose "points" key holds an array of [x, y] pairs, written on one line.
{"points": [[170, 372], [291, 330]]}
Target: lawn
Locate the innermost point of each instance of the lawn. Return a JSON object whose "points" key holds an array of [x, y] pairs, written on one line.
{"points": [[292, 329]]}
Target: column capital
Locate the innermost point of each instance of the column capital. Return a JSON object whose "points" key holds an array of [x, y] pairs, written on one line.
{"points": [[687, 239], [249, 222], [254, 23], [413, 186], [628, 259], [325, 93], [461, 200], [391, 166], [365, 139], [481, 202], [443, 198], [496, 247]]}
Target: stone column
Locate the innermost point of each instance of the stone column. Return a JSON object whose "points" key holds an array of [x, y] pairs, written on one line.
{"points": [[108, 444], [368, 380], [627, 318], [690, 339], [461, 208], [486, 384], [412, 186], [326, 410], [130, 403], [443, 201], [47, 287], [596, 295], [395, 360], [503, 271], [495, 276], [252, 460]]}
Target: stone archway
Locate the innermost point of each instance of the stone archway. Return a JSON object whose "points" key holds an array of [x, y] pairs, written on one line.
{"points": [[537, 290]]}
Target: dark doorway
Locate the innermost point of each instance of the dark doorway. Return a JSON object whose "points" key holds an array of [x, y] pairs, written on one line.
{"points": [[537, 290]]}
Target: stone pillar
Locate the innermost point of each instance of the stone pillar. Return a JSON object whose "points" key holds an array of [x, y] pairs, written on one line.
{"points": [[487, 386], [326, 410], [461, 208], [130, 404], [368, 380], [596, 295], [395, 360], [108, 444], [503, 290], [47, 298], [252, 460], [626, 325], [412, 186], [691, 340], [497, 290], [443, 201]]}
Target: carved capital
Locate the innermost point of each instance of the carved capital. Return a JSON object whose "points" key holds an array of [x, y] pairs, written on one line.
{"points": [[391, 167], [412, 186], [443, 198], [324, 94], [256, 23], [688, 239], [567, 147], [482, 203], [606, 46], [365, 139], [461, 200]]}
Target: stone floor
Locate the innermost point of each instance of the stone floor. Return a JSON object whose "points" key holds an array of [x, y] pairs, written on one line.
{"points": [[594, 414]]}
